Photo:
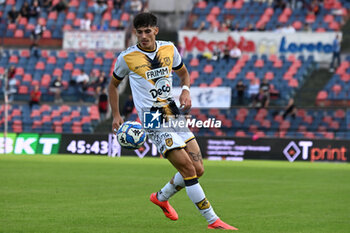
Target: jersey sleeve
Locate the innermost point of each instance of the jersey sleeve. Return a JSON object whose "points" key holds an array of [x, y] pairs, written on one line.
{"points": [[177, 61], [121, 69]]}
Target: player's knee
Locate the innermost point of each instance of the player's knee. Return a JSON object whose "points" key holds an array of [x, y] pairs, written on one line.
{"points": [[188, 170], [200, 171]]}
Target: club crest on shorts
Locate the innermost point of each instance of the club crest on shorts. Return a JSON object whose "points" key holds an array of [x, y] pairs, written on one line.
{"points": [[169, 142], [203, 204]]}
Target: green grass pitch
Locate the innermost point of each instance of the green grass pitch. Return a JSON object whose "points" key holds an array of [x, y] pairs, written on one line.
{"points": [[64, 193]]}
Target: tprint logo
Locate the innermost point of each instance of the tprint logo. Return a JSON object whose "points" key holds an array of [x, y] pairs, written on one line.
{"points": [[291, 151]]}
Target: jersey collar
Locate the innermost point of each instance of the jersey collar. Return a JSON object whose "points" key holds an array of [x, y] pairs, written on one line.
{"points": [[147, 51]]}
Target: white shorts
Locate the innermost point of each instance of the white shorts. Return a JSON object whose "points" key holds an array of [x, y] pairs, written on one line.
{"points": [[167, 141]]}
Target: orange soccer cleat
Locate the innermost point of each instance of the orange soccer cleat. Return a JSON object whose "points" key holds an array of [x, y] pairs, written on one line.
{"points": [[218, 224], [168, 210]]}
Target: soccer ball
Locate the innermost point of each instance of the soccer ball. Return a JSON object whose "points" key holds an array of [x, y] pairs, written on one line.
{"points": [[131, 135]]}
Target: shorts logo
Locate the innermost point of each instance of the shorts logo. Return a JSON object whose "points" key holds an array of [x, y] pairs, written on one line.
{"points": [[169, 142], [152, 119], [203, 204]]}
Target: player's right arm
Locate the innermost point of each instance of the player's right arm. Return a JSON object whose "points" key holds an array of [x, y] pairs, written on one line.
{"points": [[113, 96], [119, 72]]}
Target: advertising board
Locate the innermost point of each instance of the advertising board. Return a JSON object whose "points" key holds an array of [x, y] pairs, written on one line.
{"points": [[320, 45], [94, 40], [212, 148]]}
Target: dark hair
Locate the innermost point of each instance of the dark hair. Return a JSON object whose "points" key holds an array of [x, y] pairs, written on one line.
{"points": [[145, 19]]}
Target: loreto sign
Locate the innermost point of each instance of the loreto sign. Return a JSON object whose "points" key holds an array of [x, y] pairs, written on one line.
{"points": [[96, 40], [320, 45]]}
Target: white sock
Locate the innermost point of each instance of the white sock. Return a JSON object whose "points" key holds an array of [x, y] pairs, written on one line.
{"points": [[197, 196], [170, 189]]}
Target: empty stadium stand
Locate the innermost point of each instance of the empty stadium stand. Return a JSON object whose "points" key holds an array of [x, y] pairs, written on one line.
{"points": [[241, 14], [337, 90]]}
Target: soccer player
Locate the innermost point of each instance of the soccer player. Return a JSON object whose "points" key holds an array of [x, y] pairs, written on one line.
{"points": [[149, 64]]}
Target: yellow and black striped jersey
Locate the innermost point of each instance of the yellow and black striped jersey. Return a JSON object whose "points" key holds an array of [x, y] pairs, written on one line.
{"points": [[150, 75]]}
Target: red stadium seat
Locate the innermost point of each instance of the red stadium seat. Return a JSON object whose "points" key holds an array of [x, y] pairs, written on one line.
{"points": [[90, 54], [215, 10], [79, 60], [98, 61], [51, 60], [40, 65], [283, 18], [328, 18], [334, 25], [201, 4], [114, 23], [25, 53], [194, 62], [13, 59], [27, 78], [35, 82], [67, 27], [45, 108], [293, 83], [297, 25], [74, 3], [108, 55], [52, 15], [340, 113], [76, 72], [70, 16], [125, 17], [23, 21], [310, 18], [337, 88], [322, 95], [240, 133], [47, 34], [45, 80], [57, 72], [30, 27], [20, 71], [269, 11], [68, 66], [19, 33], [62, 54], [208, 68], [216, 82], [23, 90], [11, 26], [250, 75], [107, 16], [259, 63], [269, 75]]}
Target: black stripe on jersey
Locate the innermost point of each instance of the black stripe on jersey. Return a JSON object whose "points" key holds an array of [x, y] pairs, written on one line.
{"points": [[117, 77], [179, 66]]}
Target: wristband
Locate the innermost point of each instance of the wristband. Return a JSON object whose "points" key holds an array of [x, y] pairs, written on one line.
{"points": [[185, 87]]}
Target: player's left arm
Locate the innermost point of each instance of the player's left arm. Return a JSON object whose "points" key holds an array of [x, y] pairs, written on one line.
{"points": [[185, 97]]}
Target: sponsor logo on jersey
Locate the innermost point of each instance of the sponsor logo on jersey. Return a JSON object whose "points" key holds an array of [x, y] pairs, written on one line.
{"points": [[162, 89], [157, 73]]}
